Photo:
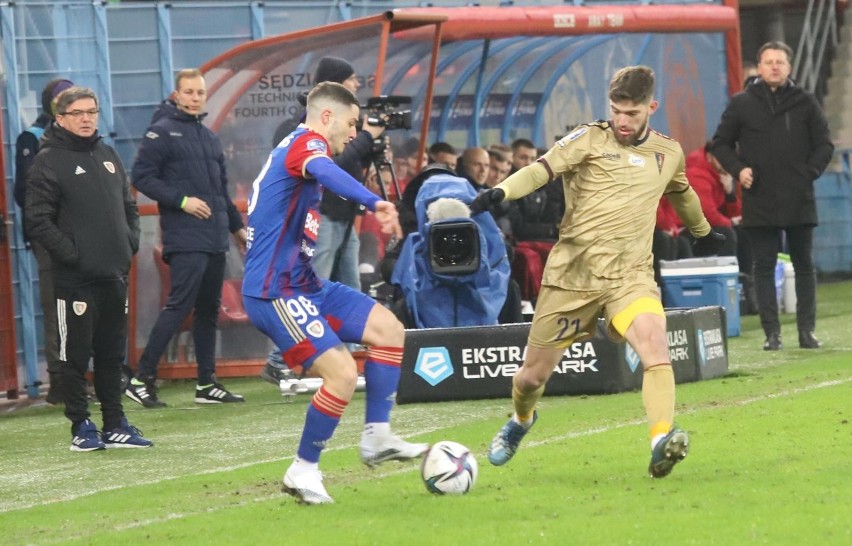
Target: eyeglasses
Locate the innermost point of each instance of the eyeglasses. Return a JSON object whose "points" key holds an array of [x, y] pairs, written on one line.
{"points": [[80, 113]]}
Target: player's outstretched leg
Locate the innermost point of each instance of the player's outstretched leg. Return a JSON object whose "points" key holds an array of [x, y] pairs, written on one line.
{"points": [[669, 450], [506, 441]]}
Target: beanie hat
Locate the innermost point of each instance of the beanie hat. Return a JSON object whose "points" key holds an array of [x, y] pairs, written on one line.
{"points": [[51, 91], [333, 69]]}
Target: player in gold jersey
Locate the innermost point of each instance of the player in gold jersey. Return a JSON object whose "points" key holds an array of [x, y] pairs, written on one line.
{"points": [[614, 173]]}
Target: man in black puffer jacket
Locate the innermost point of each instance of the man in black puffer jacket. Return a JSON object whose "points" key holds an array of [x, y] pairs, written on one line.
{"points": [[79, 209], [180, 165], [773, 138]]}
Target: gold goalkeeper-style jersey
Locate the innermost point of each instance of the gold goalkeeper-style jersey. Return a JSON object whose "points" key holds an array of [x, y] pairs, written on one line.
{"points": [[611, 197]]}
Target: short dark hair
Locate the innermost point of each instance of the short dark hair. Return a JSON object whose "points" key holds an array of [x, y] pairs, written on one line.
{"points": [[777, 45], [498, 155], [632, 83], [522, 143], [72, 94], [441, 147], [187, 74], [334, 92]]}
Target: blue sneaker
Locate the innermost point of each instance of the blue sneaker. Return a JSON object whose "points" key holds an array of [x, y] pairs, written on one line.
{"points": [[505, 443], [86, 437], [126, 435], [669, 451]]}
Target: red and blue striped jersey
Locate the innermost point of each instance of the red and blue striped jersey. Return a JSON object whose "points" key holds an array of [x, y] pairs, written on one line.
{"points": [[284, 219]]}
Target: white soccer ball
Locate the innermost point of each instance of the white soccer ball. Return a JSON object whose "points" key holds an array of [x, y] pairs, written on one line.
{"points": [[449, 468]]}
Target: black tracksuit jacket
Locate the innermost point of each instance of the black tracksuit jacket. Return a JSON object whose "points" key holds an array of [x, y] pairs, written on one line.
{"points": [[79, 208]]}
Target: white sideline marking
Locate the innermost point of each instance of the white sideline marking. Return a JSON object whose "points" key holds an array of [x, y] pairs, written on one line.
{"points": [[390, 471], [690, 411]]}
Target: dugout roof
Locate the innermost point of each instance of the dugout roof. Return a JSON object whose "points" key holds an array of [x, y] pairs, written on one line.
{"points": [[480, 75]]}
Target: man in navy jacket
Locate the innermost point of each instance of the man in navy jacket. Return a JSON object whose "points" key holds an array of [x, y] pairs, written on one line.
{"points": [[180, 164]]}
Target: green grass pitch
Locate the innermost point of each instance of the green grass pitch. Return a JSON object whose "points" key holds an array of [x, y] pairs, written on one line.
{"points": [[770, 463]]}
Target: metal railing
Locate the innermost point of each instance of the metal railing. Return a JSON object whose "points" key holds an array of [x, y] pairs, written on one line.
{"points": [[818, 32]]}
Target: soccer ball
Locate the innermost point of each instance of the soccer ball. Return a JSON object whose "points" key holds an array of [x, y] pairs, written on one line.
{"points": [[449, 469]]}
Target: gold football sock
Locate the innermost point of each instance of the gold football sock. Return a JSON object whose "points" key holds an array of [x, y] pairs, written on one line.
{"points": [[658, 395], [525, 403]]}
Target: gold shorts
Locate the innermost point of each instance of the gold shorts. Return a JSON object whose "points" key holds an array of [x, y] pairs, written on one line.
{"points": [[565, 316]]}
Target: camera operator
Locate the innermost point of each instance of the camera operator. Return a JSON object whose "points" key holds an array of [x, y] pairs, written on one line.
{"points": [[408, 220], [336, 256], [451, 269]]}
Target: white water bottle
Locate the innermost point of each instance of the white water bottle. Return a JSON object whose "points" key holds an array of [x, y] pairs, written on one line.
{"points": [[789, 288]]}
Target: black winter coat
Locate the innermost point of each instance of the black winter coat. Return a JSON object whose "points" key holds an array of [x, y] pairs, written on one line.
{"points": [[180, 157], [79, 208], [536, 216], [783, 137]]}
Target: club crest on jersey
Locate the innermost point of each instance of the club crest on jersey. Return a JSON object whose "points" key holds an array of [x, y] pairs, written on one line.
{"points": [[661, 158], [317, 145], [635, 160], [315, 328], [79, 307], [109, 166]]}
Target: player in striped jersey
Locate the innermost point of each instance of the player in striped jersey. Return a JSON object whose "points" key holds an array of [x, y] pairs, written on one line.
{"points": [[307, 317]]}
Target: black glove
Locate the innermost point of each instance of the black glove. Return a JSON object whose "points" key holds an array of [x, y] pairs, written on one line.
{"points": [[486, 199], [709, 245]]}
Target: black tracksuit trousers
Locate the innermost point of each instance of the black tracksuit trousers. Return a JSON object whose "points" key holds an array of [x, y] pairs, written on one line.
{"points": [[92, 324]]}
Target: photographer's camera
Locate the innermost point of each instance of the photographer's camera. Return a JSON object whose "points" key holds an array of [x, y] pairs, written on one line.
{"points": [[387, 111]]}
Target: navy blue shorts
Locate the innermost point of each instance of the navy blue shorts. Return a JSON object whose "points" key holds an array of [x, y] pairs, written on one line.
{"points": [[306, 324]]}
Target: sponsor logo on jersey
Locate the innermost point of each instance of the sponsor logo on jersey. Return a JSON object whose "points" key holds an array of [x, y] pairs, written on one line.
{"points": [[317, 145], [433, 364], [309, 239], [109, 166], [79, 307], [312, 222], [577, 133], [661, 158], [611, 156], [635, 160], [573, 135], [315, 328]]}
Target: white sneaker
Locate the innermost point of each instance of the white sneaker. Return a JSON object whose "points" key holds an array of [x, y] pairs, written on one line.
{"points": [[376, 450], [306, 486]]}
